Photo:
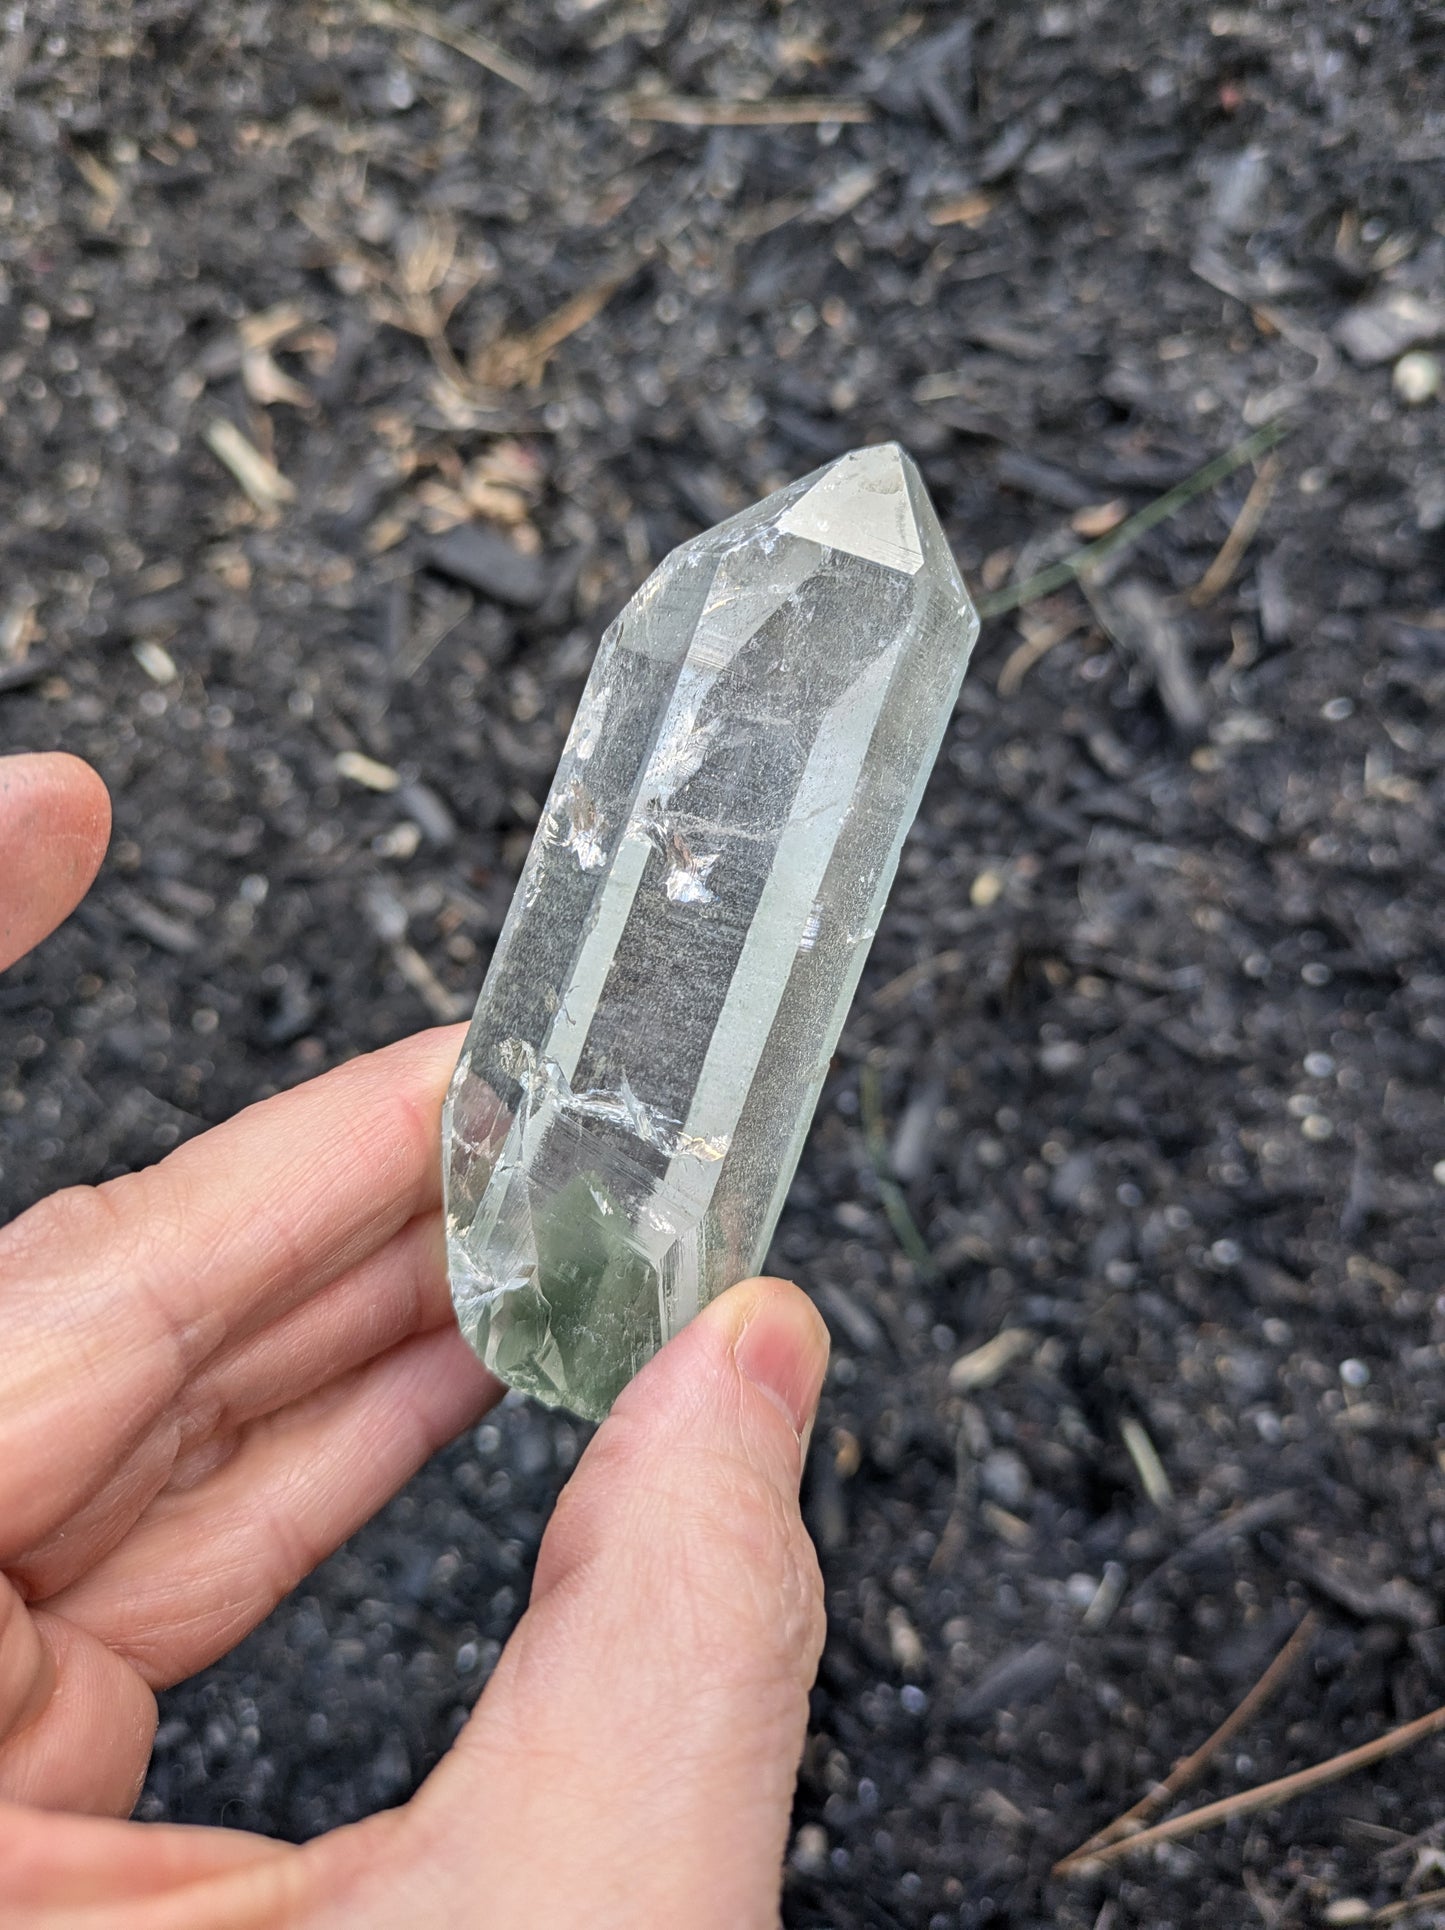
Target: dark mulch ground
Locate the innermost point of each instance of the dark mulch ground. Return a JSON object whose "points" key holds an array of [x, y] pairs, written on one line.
{"points": [[1157, 1016]]}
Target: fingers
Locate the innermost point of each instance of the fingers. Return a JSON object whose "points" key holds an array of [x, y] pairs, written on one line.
{"points": [[50, 1862], [27, 1671], [400, 1291], [54, 827], [88, 1747], [203, 1566], [633, 1759], [113, 1297]]}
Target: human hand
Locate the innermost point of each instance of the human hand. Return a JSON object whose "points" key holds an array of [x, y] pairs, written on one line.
{"points": [[213, 1371]]}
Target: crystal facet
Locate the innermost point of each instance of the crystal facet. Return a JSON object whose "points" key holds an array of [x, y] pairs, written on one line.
{"points": [[691, 922]]}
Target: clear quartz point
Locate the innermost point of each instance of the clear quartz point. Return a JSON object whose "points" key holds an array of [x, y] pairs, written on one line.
{"points": [[688, 931]]}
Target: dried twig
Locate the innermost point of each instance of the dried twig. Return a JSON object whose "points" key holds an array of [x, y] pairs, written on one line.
{"points": [[1407, 1906], [798, 110], [518, 361], [1190, 1767], [1220, 573], [1033, 649], [444, 1005], [1015, 595], [1248, 1802], [472, 46], [895, 990]]}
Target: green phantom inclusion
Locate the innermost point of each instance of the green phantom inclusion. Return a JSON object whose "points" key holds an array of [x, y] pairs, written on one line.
{"points": [[691, 922]]}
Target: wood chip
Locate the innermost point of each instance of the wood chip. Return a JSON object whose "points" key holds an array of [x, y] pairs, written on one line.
{"points": [[268, 326], [267, 383], [101, 182], [990, 1362], [367, 771], [257, 475], [904, 1643], [1146, 627], [1097, 519], [1147, 1465], [1008, 1527], [965, 210]]}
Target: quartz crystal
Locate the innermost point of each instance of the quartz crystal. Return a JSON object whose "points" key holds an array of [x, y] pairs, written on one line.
{"points": [[691, 922]]}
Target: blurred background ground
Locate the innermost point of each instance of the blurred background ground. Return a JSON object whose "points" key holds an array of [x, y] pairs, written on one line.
{"points": [[1149, 1053]]}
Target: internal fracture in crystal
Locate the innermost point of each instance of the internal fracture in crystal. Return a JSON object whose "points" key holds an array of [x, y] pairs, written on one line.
{"points": [[689, 928]]}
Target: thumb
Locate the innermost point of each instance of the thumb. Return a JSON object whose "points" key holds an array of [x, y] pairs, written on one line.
{"points": [[633, 1758], [54, 823]]}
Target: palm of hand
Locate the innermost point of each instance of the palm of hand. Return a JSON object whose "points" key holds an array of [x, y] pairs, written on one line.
{"points": [[213, 1371]]}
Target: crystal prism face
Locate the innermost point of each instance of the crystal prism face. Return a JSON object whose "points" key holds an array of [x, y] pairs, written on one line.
{"points": [[691, 922]]}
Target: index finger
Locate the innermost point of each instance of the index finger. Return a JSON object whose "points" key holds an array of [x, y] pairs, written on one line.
{"points": [[111, 1297]]}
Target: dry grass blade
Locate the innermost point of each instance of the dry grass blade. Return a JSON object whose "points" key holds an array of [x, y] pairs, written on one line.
{"points": [[472, 46], [1249, 1802], [801, 110], [1190, 1767], [1221, 571], [257, 474], [895, 1205]]}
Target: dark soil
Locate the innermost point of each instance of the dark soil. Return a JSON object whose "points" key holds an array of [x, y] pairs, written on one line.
{"points": [[1156, 1021]]}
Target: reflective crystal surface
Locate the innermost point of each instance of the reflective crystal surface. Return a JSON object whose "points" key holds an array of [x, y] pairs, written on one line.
{"points": [[688, 931]]}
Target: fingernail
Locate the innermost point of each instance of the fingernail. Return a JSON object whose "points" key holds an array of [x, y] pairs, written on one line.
{"points": [[782, 1349]]}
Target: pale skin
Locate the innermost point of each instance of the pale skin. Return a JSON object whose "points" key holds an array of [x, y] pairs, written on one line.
{"points": [[213, 1371]]}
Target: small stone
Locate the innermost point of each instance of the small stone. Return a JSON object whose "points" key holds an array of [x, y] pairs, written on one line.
{"points": [[1004, 1478], [1349, 1909], [810, 1850], [155, 660], [1380, 329], [904, 1642], [1417, 378], [705, 881], [490, 563]]}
